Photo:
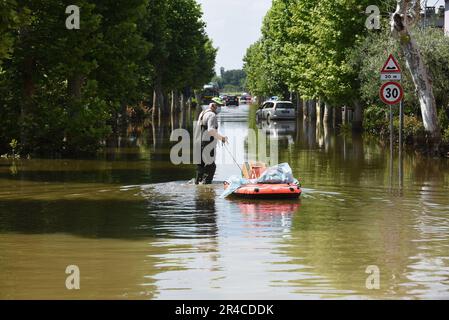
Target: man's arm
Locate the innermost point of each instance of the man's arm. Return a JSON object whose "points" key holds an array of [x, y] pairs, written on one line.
{"points": [[211, 125], [214, 133]]}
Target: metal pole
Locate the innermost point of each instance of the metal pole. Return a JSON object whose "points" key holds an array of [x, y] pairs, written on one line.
{"points": [[391, 148], [391, 129], [401, 126]]}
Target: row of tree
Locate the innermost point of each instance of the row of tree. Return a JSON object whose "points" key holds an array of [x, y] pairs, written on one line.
{"points": [[323, 51], [62, 91], [230, 80]]}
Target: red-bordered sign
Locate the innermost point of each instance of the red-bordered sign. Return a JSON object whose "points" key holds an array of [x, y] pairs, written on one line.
{"points": [[391, 92], [391, 66]]}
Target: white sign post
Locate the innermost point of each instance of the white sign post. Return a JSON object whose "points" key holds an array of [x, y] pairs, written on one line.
{"points": [[392, 93]]}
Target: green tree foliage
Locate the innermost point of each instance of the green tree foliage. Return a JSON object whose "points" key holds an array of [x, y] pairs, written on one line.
{"points": [[323, 50], [184, 24], [183, 55], [63, 91], [204, 65], [256, 71], [123, 71], [377, 46], [235, 79], [435, 49], [11, 17], [305, 48]]}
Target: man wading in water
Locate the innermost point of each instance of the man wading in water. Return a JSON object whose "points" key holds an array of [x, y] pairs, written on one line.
{"points": [[207, 122]]}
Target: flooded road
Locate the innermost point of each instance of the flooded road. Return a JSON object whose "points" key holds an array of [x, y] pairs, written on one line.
{"points": [[137, 230]]}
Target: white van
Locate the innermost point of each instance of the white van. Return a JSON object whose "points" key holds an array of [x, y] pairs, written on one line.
{"points": [[273, 110]]}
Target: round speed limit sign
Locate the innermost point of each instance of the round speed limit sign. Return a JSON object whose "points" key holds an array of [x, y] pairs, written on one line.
{"points": [[391, 92]]}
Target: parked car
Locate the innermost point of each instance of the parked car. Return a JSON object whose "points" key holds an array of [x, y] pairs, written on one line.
{"points": [[246, 99], [272, 110], [232, 101]]}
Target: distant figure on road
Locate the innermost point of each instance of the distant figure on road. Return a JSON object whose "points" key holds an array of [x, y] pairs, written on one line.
{"points": [[207, 122]]}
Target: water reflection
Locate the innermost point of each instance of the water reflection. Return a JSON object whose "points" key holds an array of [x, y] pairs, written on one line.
{"points": [[277, 129], [138, 229]]}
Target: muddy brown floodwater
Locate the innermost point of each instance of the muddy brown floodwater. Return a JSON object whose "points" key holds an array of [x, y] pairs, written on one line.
{"points": [[137, 230]]}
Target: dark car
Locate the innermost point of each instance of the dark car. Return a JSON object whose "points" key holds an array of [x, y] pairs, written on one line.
{"points": [[232, 101], [246, 99]]}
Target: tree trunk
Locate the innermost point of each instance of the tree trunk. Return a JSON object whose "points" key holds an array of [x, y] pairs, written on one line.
{"points": [[177, 101], [326, 136], [319, 113], [299, 105], [345, 115], [357, 123], [312, 110], [182, 122], [173, 102], [320, 133], [182, 101], [157, 98], [337, 116], [327, 113], [311, 134], [28, 81], [305, 109], [165, 110], [74, 85], [407, 13], [183, 107], [155, 105], [198, 98]]}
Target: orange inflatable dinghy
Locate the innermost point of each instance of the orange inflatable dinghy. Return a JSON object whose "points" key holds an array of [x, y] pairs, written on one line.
{"points": [[268, 191], [264, 190]]}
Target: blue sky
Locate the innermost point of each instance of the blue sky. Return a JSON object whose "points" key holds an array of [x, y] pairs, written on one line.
{"points": [[233, 25]]}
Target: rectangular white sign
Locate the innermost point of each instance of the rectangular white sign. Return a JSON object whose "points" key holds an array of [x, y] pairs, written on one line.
{"points": [[390, 76]]}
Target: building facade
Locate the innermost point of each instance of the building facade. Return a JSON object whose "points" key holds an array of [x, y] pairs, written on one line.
{"points": [[433, 17], [446, 18]]}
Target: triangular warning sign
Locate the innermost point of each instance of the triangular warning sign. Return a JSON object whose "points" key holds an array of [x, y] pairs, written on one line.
{"points": [[391, 66]]}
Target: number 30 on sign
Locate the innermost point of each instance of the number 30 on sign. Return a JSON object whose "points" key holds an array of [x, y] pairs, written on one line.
{"points": [[391, 92]]}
